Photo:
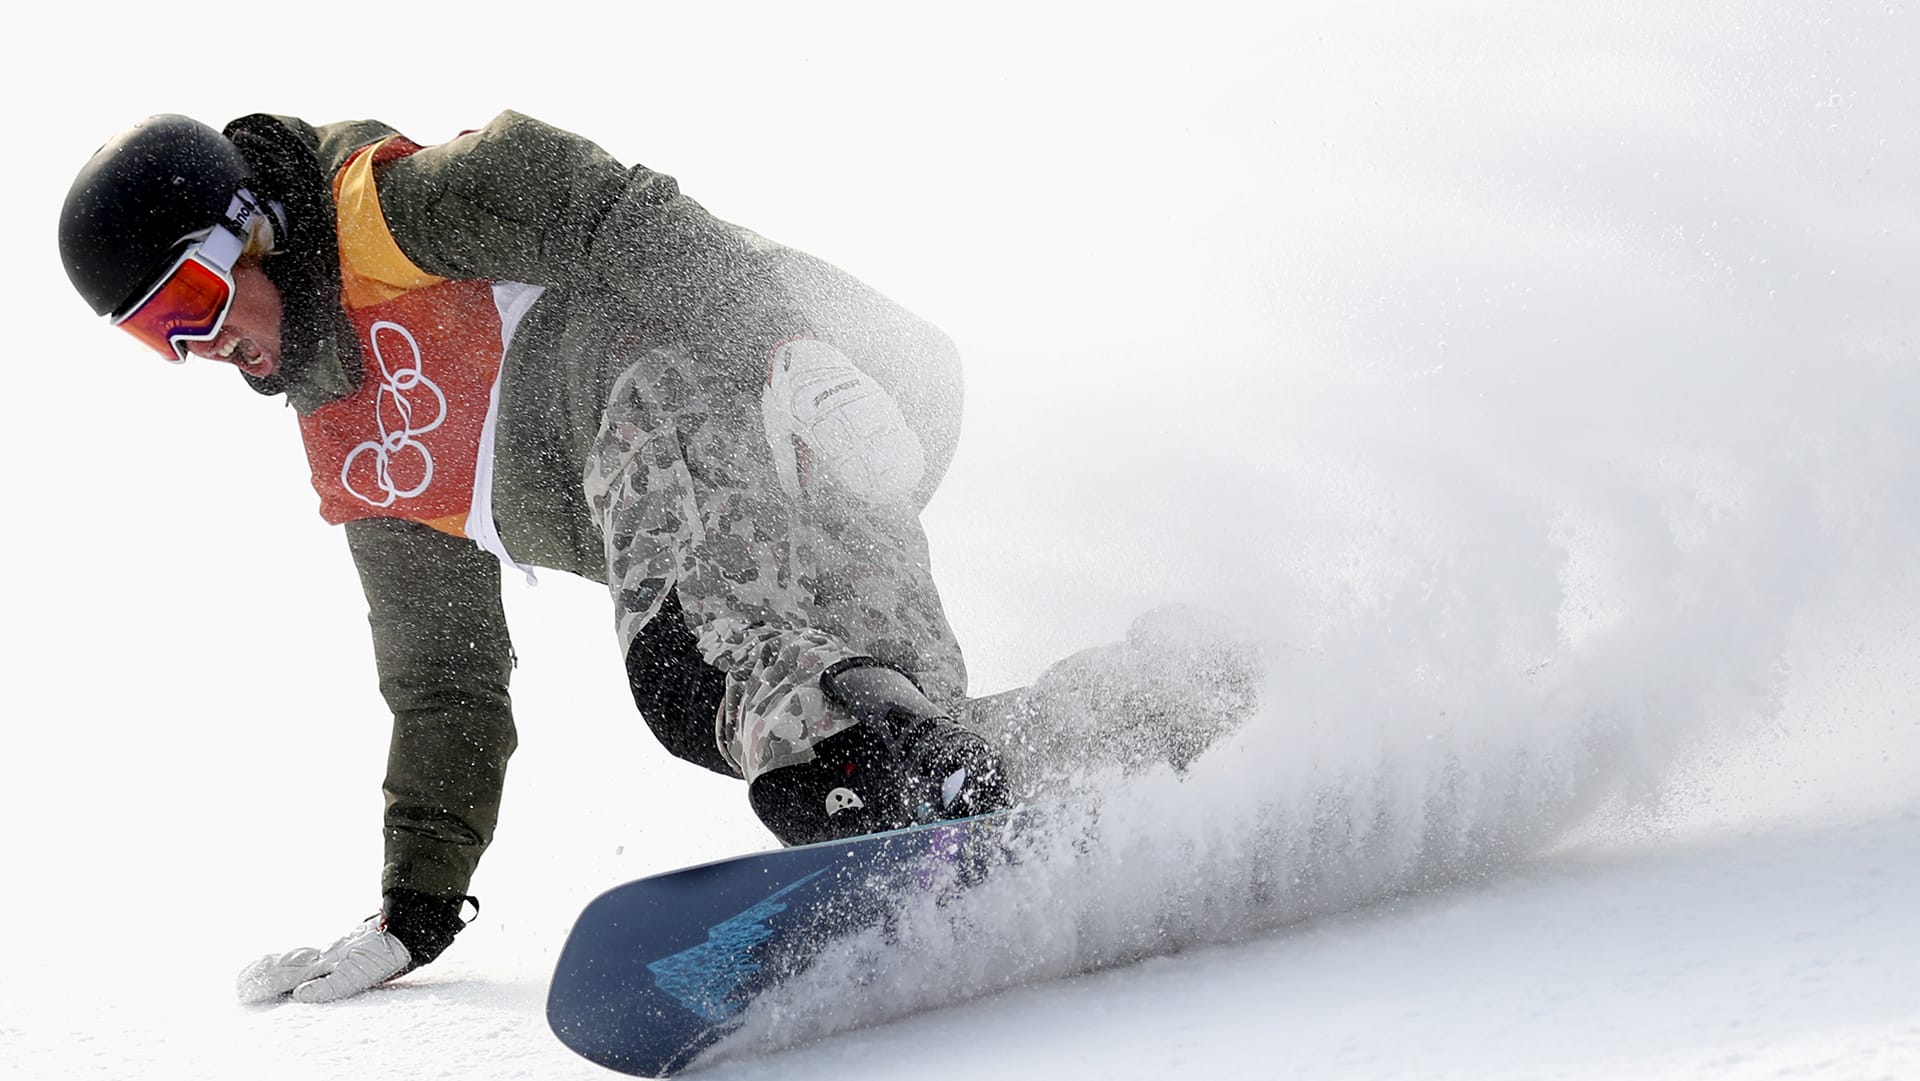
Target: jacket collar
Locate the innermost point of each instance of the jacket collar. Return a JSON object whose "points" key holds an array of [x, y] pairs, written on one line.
{"points": [[293, 163]]}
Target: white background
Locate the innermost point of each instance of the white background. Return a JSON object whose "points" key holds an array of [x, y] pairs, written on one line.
{"points": [[1438, 344]]}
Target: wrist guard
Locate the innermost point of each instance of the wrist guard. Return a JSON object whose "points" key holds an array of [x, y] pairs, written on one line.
{"points": [[423, 923]]}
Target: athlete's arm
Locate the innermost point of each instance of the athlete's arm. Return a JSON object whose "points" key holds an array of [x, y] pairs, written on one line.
{"points": [[440, 640], [520, 200]]}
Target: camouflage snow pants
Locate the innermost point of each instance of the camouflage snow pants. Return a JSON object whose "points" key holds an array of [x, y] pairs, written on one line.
{"points": [[776, 579]]}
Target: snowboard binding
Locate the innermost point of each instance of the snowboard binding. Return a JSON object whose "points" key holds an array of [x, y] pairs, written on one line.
{"points": [[903, 762]]}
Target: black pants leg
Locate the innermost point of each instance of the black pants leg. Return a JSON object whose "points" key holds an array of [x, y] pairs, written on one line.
{"points": [[678, 693]]}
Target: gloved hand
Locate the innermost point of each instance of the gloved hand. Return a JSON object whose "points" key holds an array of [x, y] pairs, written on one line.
{"points": [[828, 421], [411, 929]]}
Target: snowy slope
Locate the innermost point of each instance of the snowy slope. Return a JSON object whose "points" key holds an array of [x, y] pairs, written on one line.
{"points": [[1543, 386], [1752, 957]]}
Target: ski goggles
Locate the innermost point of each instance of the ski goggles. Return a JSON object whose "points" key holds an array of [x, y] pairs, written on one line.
{"points": [[190, 302]]}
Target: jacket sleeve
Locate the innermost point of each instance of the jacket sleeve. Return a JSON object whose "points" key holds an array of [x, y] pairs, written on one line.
{"points": [[524, 201], [440, 641]]}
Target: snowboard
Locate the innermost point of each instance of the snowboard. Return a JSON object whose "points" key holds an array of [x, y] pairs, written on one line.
{"points": [[658, 970]]}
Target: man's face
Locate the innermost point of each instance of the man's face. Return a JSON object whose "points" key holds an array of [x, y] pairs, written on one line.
{"points": [[250, 338]]}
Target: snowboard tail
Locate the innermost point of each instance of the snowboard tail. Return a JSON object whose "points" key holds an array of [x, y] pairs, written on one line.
{"points": [[660, 969]]}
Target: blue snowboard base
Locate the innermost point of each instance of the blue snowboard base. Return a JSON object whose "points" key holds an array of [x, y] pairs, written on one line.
{"points": [[658, 970]]}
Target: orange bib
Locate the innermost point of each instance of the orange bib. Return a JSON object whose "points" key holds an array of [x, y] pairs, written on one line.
{"points": [[415, 441], [407, 443]]}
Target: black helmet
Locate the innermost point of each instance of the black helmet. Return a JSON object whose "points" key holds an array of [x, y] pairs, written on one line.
{"points": [[165, 180]]}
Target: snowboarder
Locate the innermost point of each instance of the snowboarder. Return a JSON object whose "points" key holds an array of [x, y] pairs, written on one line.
{"points": [[512, 349]]}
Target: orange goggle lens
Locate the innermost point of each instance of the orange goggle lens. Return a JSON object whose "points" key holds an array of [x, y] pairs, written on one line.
{"points": [[187, 306]]}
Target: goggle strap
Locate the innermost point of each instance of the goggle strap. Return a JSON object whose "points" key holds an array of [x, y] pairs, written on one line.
{"points": [[222, 248], [247, 212]]}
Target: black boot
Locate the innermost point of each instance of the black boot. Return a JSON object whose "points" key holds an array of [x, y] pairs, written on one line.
{"points": [[901, 763]]}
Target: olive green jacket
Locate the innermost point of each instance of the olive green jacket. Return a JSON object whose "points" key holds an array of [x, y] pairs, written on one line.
{"points": [[627, 264]]}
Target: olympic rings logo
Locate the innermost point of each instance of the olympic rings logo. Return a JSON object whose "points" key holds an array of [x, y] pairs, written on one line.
{"points": [[403, 393]]}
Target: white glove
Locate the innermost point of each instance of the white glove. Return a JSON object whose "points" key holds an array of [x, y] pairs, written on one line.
{"points": [[828, 420], [363, 958]]}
